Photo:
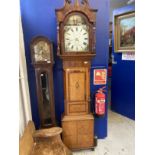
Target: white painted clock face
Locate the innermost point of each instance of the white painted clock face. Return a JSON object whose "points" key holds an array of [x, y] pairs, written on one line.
{"points": [[76, 38]]}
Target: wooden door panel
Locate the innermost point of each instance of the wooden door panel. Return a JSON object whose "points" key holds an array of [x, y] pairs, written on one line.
{"points": [[70, 128], [77, 108], [85, 127], [85, 141], [77, 86], [76, 90], [70, 141]]}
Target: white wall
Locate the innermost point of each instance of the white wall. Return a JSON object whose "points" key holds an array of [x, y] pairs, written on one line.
{"points": [[24, 97]]}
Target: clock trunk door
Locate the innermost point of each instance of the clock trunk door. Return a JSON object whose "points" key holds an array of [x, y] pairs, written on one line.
{"points": [[77, 90]]}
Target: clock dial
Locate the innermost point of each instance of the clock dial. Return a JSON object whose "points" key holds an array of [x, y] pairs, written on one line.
{"points": [[76, 38], [41, 51], [76, 35]]}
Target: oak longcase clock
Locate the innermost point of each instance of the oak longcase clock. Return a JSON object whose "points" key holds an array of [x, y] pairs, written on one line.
{"points": [[76, 27], [42, 59]]}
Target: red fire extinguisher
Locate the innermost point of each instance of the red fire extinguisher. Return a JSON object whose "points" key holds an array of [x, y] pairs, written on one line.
{"points": [[100, 102]]}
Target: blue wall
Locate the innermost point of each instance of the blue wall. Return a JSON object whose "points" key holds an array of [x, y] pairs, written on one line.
{"points": [[123, 79], [38, 18]]}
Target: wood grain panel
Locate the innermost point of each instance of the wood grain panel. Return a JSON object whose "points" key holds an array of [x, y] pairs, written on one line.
{"points": [[77, 86], [68, 64], [77, 90], [85, 141], [70, 141], [78, 131], [77, 108], [85, 127], [70, 128]]}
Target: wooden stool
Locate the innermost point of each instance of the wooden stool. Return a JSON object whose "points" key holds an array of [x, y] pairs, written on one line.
{"points": [[48, 142]]}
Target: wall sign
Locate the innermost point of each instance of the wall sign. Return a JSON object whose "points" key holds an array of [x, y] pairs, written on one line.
{"points": [[128, 56], [100, 76]]}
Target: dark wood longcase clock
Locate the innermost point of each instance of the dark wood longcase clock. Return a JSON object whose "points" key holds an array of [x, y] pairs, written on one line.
{"points": [[76, 26], [42, 59]]}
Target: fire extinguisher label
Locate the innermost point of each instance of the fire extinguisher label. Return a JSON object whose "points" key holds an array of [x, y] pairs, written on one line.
{"points": [[100, 106]]}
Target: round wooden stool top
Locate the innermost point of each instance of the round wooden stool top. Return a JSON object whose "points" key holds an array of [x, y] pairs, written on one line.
{"points": [[51, 132]]}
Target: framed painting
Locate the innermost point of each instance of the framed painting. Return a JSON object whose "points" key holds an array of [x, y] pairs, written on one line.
{"points": [[124, 32]]}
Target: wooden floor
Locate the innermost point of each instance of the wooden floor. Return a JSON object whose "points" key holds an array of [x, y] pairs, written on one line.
{"points": [[120, 140]]}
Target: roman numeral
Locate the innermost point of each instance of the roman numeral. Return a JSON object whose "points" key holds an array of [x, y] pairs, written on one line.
{"points": [[84, 43], [86, 48], [67, 28], [68, 34], [69, 44]]}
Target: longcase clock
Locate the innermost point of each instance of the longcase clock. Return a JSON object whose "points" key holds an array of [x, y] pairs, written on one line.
{"points": [[42, 59], [76, 26]]}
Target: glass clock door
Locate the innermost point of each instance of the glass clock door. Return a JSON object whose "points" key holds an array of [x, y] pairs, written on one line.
{"points": [[46, 110]]}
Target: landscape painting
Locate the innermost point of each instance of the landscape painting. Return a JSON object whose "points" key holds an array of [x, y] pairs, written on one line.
{"points": [[125, 33]]}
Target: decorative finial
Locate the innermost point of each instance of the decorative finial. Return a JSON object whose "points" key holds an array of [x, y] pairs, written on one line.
{"points": [[85, 2], [77, 2]]}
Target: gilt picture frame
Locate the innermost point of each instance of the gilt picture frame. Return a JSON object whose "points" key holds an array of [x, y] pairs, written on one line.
{"points": [[124, 32]]}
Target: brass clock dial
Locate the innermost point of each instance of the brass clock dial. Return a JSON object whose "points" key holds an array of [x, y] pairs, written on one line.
{"points": [[76, 35], [41, 51]]}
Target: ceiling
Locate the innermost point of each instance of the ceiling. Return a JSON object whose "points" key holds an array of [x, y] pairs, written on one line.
{"points": [[117, 4]]}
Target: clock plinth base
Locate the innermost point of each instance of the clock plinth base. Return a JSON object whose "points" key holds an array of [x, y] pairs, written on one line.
{"points": [[78, 131]]}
